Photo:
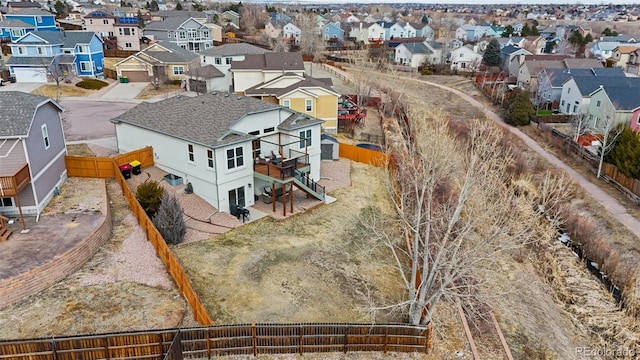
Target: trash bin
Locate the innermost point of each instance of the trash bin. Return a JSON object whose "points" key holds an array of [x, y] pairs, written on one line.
{"points": [[125, 169], [12, 79], [125, 79], [135, 167]]}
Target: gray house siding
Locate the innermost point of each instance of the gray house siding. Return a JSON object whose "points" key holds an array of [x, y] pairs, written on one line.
{"points": [[12, 156], [26, 199], [53, 176], [39, 156]]}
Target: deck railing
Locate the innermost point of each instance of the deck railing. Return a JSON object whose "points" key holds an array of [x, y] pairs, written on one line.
{"points": [[11, 185]]}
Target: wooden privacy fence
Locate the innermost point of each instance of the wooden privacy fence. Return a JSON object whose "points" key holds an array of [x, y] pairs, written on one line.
{"points": [[109, 167], [363, 155], [211, 342]]}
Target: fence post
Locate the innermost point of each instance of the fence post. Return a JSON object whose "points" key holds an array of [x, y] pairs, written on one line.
{"points": [[106, 348], [346, 338], [301, 338], [254, 341], [386, 339], [53, 349], [208, 344]]}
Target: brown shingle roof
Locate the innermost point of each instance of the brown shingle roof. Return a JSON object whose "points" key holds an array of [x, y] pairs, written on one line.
{"points": [[270, 61]]}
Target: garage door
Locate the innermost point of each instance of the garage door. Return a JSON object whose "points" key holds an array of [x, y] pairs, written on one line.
{"points": [[136, 76], [28, 75]]}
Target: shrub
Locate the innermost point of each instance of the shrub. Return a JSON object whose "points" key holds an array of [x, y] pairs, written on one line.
{"points": [[149, 194], [92, 84], [520, 110], [169, 221]]}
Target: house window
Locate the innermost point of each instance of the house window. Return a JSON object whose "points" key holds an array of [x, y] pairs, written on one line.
{"points": [[178, 70], [6, 202], [236, 197], [82, 49], [218, 61], [308, 105], [268, 130], [127, 45], [234, 158], [40, 50], [598, 103], [39, 19], [85, 66], [569, 91], [254, 133], [210, 158], [172, 34], [228, 60], [105, 22], [204, 59], [45, 136], [562, 103], [192, 156], [21, 50], [205, 34], [133, 31], [286, 103], [16, 32], [207, 46], [305, 138], [182, 35]]}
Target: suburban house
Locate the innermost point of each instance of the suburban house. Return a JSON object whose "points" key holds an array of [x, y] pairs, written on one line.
{"points": [[45, 56], [375, 33], [159, 63], [359, 32], [205, 79], [273, 29], [508, 52], [394, 31], [332, 31], [260, 68], [121, 33], [23, 21], [465, 59], [550, 81], [471, 33], [291, 34], [187, 33], [32, 151], [230, 18], [419, 30], [603, 50], [221, 57], [612, 103], [576, 91], [419, 53], [535, 44], [633, 65], [306, 95], [230, 148], [621, 55], [200, 16]]}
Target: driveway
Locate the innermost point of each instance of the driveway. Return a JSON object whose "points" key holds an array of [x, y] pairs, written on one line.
{"points": [[24, 87], [126, 91], [89, 120]]}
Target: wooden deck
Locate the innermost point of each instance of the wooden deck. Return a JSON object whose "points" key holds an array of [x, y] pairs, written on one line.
{"points": [[10, 186], [283, 171]]}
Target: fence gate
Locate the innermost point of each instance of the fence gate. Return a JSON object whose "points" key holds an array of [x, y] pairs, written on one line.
{"points": [[175, 349]]}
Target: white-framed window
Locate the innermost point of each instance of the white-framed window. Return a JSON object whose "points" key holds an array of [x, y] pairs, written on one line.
{"points": [[39, 19], [568, 90], [127, 45], [178, 70], [133, 31], [85, 65], [235, 157], [83, 49], [182, 35], [45, 136], [190, 152], [286, 103], [184, 46], [41, 50], [207, 46], [598, 103], [17, 32], [218, 61], [6, 202], [228, 61], [210, 158], [305, 138], [193, 33], [268, 130], [105, 21], [204, 59], [308, 105], [205, 34], [22, 50], [172, 34]]}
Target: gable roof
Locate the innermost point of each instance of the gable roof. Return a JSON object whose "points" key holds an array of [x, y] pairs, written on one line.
{"points": [[16, 112], [171, 23], [235, 49], [14, 23], [622, 98], [205, 72], [510, 49], [68, 39], [589, 84], [417, 48], [306, 82], [284, 61], [582, 63], [31, 11], [559, 75], [175, 54], [180, 14]]}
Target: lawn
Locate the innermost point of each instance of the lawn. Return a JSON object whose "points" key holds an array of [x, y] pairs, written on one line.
{"points": [[150, 91], [66, 90]]}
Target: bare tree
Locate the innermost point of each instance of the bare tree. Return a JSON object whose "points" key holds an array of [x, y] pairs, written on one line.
{"points": [[579, 125], [311, 42], [611, 133], [457, 208]]}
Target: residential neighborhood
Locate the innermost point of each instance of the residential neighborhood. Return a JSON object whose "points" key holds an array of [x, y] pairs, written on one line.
{"points": [[206, 179]]}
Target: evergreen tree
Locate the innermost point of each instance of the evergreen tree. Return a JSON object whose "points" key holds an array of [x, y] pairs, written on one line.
{"points": [[153, 6], [60, 8], [169, 221], [178, 6], [625, 154], [534, 31], [526, 30], [491, 55], [149, 195], [508, 31], [609, 32], [520, 110], [140, 20]]}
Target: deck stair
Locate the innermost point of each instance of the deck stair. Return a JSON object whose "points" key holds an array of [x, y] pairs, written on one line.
{"points": [[5, 232], [308, 185]]}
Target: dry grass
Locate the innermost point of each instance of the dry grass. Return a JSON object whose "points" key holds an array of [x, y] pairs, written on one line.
{"points": [[110, 63], [79, 150], [66, 90], [150, 91]]}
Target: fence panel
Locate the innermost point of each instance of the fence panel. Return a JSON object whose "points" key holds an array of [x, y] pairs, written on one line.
{"points": [[363, 155], [78, 166]]}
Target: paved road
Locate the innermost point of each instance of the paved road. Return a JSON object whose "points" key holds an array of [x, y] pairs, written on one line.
{"points": [[89, 119], [607, 201]]}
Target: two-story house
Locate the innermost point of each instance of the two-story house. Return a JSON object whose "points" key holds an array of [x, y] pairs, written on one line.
{"points": [[230, 18], [222, 56], [465, 58], [418, 53], [20, 22], [228, 147], [122, 33], [186, 33], [576, 91], [332, 30], [32, 149], [159, 62], [621, 55], [260, 68], [45, 55], [613, 103], [633, 65], [291, 34]]}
